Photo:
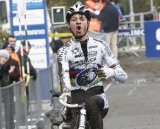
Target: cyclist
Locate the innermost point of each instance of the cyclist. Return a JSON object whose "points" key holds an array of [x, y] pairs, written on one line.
{"points": [[81, 68]]}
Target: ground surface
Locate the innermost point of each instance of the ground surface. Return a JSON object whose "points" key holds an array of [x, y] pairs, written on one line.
{"points": [[136, 103], [140, 67]]}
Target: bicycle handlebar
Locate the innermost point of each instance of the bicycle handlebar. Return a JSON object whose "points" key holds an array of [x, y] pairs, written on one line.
{"points": [[66, 104], [55, 93]]}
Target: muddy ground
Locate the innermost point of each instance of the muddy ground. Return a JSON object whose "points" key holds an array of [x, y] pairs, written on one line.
{"points": [[141, 67]]}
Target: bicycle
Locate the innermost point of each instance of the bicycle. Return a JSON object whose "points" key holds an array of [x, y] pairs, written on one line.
{"points": [[82, 117]]}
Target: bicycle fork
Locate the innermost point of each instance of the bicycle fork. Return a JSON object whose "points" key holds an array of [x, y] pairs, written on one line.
{"points": [[82, 121]]}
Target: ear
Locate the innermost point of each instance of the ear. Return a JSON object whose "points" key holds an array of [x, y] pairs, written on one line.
{"points": [[88, 22], [68, 25]]}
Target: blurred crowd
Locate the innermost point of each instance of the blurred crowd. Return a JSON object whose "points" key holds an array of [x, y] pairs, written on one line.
{"points": [[13, 68], [11, 61], [106, 16]]}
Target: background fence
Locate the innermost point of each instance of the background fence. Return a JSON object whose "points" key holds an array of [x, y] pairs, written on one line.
{"points": [[13, 108], [13, 100]]}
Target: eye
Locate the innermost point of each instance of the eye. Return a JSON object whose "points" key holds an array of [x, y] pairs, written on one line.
{"points": [[82, 18], [73, 20]]}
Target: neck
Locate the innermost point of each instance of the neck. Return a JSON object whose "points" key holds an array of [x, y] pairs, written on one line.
{"points": [[85, 41], [85, 37]]}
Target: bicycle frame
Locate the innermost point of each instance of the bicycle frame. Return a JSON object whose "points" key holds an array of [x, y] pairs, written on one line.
{"points": [[82, 111]]}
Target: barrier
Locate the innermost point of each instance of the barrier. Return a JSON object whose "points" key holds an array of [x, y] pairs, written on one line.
{"points": [[45, 81], [55, 102], [152, 32], [60, 35], [13, 106], [34, 102], [20, 104], [39, 100], [125, 33], [98, 35]]}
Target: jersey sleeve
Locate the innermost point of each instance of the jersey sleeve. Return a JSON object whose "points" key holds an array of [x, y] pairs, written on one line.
{"points": [[63, 69], [119, 74]]}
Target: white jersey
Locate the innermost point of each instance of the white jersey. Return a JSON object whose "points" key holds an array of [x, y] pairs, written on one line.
{"points": [[78, 73]]}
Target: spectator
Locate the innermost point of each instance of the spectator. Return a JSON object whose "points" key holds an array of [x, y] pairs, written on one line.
{"points": [[109, 17], [32, 70], [56, 44], [4, 70], [79, 2], [148, 17], [12, 40], [7, 93], [151, 16], [121, 17], [95, 6], [14, 76]]}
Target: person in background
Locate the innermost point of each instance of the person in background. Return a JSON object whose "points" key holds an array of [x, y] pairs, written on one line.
{"points": [[95, 6], [122, 20], [32, 70], [12, 40], [110, 22], [55, 44], [7, 93], [79, 2], [4, 70], [121, 17], [14, 76], [152, 16], [148, 17]]}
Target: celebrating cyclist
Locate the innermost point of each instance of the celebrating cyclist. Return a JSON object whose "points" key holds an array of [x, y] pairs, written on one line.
{"points": [[81, 68]]}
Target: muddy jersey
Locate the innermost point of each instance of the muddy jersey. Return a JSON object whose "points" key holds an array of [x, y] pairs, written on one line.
{"points": [[76, 72]]}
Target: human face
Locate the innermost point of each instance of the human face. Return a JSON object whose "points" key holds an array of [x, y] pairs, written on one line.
{"points": [[29, 48], [12, 41], [79, 26], [9, 50], [3, 60]]}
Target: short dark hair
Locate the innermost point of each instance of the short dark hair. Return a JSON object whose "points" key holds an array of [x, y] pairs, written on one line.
{"points": [[7, 45], [24, 43], [10, 36]]}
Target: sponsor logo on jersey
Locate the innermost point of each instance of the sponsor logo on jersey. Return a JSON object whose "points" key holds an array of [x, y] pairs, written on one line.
{"points": [[86, 77]]}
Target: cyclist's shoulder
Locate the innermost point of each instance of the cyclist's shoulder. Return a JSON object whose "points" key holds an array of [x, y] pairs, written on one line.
{"points": [[99, 42], [65, 47], [96, 40], [65, 50]]}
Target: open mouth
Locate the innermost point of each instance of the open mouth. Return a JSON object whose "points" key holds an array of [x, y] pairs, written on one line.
{"points": [[78, 28]]}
